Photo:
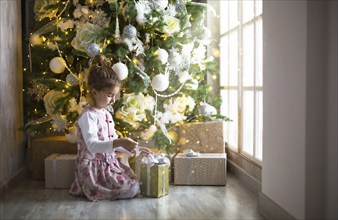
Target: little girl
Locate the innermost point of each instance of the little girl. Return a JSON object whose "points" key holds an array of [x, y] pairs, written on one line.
{"points": [[99, 174]]}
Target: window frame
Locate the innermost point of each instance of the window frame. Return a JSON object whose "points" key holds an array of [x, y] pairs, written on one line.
{"points": [[240, 88]]}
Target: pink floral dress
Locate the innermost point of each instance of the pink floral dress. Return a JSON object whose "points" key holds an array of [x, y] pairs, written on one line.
{"points": [[100, 176]]}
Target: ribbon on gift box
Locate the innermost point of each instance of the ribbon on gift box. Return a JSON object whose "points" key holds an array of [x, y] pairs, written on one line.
{"points": [[150, 160], [54, 165], [190, 153]]}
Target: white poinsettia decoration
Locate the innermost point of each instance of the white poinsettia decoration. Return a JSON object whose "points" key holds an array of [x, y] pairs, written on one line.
{"points": [[86, 34], [133, 108]]}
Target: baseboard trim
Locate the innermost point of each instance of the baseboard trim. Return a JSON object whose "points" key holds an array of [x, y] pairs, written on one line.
{"points": [[15, 178], [270, 210], [248, 181]]}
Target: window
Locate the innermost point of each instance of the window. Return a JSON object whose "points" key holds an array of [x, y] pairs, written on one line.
{"points": [[241, 75]]}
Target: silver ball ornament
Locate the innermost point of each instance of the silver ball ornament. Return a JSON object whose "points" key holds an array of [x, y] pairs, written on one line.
{"points": [[72, 80], [129, 32], [206, 110], [93, 49]]}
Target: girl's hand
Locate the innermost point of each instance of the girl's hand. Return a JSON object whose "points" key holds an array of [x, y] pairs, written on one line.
{"points": [[145, 149], [127, 143]]}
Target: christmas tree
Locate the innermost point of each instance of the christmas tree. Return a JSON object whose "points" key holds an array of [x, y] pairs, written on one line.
{"points": [[158, 47]]}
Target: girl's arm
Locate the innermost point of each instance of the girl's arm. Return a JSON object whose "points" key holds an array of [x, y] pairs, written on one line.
{"points": [[88, 125]]}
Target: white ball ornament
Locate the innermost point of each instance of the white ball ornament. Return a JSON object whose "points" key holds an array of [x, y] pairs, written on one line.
{"points": [[162, 55], [121, 70], [160, 82], [35, 39], [183, 76], [57, 65]]}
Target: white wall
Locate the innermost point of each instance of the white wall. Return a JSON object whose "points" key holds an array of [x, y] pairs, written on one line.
{"points": [[284, 69], [11, 104], [300, 107], [332, 110]]}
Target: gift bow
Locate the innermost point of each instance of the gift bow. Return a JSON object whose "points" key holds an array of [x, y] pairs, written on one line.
{"points": [[190, 153], [151, 159]]}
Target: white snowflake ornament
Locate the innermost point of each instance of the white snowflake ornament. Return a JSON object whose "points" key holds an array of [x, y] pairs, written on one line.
{"points": [[162, 4]]}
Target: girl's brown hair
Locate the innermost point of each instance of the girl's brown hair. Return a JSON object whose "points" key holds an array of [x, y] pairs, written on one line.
{"points": [[101, 75]]}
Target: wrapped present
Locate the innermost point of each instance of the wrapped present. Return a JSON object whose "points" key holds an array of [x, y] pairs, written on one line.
{"points": [[203, 137], [136, 161], [59, 170], [154, 176], [42, 147], [200, 169]]}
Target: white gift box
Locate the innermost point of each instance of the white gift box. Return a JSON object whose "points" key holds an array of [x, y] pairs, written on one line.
{"points": [[59, 170], [204, 169]]}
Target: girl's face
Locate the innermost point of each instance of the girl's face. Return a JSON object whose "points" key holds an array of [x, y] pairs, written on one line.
{"points": [[105, 97]]}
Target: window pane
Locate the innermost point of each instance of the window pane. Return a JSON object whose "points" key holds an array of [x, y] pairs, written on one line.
{"points": [[248, 10], [230, 108], [233, 14], [259, 53], [248, 55], [225, 111], [248, 122], [233, 59], [224, 16], [259, 125], [259, 7], [224, 61]]}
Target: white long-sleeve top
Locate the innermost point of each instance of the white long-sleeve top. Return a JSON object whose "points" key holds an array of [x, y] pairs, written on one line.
{"points": [[96, 125]]}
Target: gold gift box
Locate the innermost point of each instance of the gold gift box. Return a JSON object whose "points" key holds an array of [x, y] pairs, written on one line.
{"points": [[155, 180], [41, 147], [204, 169], [203, 137]]}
